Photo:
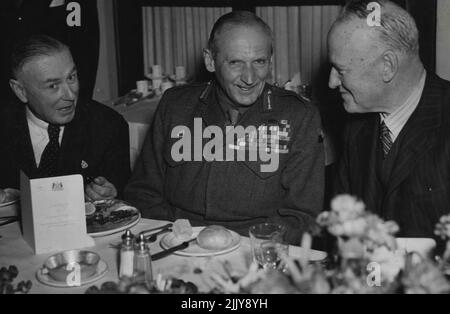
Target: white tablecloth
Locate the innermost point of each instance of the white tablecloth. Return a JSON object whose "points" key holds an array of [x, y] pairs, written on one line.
{"points": [[15, 251]]}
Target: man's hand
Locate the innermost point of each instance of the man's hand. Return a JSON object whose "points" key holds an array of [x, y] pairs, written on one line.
{"points": [[99, 189]]}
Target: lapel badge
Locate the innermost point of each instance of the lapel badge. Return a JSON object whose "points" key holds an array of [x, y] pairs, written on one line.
{"points": [[84, 164]]}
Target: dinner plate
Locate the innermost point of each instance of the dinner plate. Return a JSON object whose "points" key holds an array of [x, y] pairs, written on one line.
{"points": [[169, 240], [13, 195], [11, 207], [45, 279], [95, 229]]}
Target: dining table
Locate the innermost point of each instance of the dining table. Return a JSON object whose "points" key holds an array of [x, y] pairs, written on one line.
{"points": [[198, 270]]}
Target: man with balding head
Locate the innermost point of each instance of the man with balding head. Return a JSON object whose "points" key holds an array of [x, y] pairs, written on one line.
{"points": [[231, 182], [397, 147]]}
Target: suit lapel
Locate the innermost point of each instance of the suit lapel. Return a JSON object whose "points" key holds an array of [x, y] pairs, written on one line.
{"points": [[21, 146], [363, 158], [416, 134], [74, 140]]}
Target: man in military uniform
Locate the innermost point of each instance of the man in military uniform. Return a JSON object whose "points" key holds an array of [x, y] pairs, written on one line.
{"points": [[225, 191]]}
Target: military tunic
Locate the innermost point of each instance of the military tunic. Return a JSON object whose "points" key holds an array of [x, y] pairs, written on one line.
{"points": [[235, 194]]}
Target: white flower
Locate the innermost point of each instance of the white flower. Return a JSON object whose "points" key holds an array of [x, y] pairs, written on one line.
{"points": [[347, 207], [355, 227], [391, 262]]}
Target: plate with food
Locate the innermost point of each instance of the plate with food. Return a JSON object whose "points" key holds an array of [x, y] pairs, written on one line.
{"points": [[205, 241], [106, 217], [9, 202]]}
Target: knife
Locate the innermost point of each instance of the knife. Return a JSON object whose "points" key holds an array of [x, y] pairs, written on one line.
{"points": [[165, 253]]}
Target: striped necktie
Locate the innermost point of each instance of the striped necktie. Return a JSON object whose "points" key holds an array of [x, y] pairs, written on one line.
{"points": [[385, 138]]}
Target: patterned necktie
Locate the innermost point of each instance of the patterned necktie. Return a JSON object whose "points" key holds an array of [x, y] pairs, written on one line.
{"points": [[385, 137], [49, 160]]}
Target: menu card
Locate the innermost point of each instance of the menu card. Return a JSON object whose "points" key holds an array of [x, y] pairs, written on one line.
{"points": [[53, 214]]}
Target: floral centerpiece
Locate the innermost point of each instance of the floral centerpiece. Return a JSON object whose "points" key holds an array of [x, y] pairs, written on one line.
{"points": [[443, 231], [358, 231]]}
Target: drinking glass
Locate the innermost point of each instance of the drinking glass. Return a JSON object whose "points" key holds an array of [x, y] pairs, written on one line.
{"points": [[268, 243]]}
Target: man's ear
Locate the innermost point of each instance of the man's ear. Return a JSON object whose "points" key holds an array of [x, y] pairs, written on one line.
{"points": [[390, 65], [209, 60], [19, 90]]}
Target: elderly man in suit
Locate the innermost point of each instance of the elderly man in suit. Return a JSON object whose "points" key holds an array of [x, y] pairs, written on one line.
{"points": [[51, 131], [397, 148]]}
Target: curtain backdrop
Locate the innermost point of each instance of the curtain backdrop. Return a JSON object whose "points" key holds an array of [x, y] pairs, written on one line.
{"points": [[300, 39], [175, 36]]}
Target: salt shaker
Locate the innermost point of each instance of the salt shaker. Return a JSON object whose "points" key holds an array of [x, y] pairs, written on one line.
{"points": [[142, 262], [127, 255]]}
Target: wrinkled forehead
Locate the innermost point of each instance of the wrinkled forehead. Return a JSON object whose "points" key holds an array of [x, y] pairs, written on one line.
{"points": [[243, 35], [52, 64], [47, 56]]}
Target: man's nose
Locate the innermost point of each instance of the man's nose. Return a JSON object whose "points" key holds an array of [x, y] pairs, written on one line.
{"points": [[69, 92], [248, 75], [334, 80]]}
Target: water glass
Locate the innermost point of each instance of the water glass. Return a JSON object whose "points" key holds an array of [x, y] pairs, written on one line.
{"points": [[268, 244]]}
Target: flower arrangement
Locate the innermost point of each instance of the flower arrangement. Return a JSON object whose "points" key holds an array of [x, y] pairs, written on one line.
{"points": [[359, 231], [443, 231], [365, 239]]}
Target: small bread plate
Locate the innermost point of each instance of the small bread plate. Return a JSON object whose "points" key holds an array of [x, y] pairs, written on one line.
{"points": [[169, 241], [110, 216], [10, 208], [58, 272]]}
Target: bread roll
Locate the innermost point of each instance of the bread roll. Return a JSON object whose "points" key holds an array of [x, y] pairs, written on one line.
{"points": [[214, 238], [182, 230]]}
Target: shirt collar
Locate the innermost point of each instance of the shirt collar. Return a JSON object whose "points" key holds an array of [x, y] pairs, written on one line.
{"points": [[35, 121], [396, 120]]}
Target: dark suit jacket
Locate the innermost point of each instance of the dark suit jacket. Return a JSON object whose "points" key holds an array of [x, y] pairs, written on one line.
{"points": [[97, 135], [418, 190]]}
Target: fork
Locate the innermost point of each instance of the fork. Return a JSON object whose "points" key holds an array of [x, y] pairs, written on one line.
{"points": [[164, 227], [153, 237]]}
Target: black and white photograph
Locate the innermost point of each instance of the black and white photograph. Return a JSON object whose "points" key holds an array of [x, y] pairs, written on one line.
{"points": [[222, 152]]}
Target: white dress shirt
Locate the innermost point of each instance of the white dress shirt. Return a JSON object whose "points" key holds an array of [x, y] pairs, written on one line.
{"points": [[39, 135]]}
